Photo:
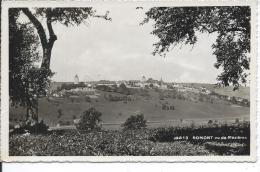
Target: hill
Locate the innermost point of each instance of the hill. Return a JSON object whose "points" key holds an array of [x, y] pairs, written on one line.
{"points": [[242, 92], [154, 104]]}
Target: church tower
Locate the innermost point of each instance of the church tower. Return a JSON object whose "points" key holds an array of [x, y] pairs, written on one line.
{"points": [[143, 79], [76, 79]]}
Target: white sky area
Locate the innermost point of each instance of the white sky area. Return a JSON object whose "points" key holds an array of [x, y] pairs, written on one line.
{"points": [[121, 49]]}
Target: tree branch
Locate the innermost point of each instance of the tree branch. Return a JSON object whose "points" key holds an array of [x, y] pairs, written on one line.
{"points": [[105, 16], [53, 37], [38, 26]]}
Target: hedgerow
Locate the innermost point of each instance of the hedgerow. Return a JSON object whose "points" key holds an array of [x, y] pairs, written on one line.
{"points": [[143, 142]]}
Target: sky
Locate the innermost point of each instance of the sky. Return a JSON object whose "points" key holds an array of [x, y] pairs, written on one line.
{"points": [[121, 49]]}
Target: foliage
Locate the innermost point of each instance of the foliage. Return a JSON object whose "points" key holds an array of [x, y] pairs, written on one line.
{"points": [[123, 89], [169, 134], [60, 113], [228, 148], [175, 25], [111, 97], [31, 127], [87, 99], [167, 107], [65, 16], [104, 143], [135, 122], [119, 143], [26, 81], [90, 120], [231, 99], [104, 88], [65, 86]]}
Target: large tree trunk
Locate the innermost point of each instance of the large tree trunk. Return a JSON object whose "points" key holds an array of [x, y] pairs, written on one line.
{"points": [[32, 111], [32, 114], [47, 45], [46, 59]]}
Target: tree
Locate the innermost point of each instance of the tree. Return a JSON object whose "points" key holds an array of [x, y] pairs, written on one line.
{"points": [[175, 25], [27, 81], [90, 120], [135, 122], [65, 16], [122, 89]]}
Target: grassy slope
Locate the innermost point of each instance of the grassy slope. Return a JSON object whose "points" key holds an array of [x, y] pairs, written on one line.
{"points": [[243, 92], [117, 112]]}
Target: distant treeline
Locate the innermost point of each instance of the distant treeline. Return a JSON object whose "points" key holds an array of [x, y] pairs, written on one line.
{"points": [[122, 89], [65, 86]]}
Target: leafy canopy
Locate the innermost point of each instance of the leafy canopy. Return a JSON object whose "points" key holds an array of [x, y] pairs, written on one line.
{"points": [[26, 81], [175, 25], [69, 16]]}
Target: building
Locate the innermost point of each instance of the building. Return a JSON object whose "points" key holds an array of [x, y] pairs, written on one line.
{"points": [[162, 85], [76, 79], [143, 79]]}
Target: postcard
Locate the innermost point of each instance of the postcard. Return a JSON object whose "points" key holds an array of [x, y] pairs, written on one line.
{"points": [[128, 81]]}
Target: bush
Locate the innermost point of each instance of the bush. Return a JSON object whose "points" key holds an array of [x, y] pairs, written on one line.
{"points": [[135, 122], [161, 96], [103, 143], [31, 127], [156, 141], [60, 113], [165, 107], [87, 99], [67, 123], [89, 120], [123, 89]]}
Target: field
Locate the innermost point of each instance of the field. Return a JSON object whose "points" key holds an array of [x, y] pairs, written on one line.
{"points": [[64, 110]]}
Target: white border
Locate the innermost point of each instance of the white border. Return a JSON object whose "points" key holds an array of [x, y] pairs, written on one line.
{"points": [[5, 88]]}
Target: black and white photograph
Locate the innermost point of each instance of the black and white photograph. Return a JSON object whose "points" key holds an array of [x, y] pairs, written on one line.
{"points": [[120, 80]]}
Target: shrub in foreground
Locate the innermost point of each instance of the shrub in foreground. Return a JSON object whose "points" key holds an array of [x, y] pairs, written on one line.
{"points": [[102, 143], [135, 122], [130, 142], [31, 127], [90, 120]]}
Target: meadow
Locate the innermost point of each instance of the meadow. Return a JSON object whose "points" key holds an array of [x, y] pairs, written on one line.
{"points": [[154, 104]]}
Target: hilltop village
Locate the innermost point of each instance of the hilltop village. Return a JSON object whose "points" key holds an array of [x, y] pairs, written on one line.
{"points": [[144, 83]]}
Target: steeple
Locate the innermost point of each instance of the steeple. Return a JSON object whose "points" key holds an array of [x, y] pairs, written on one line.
{"points": [[161, 81], [76, 79]]}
